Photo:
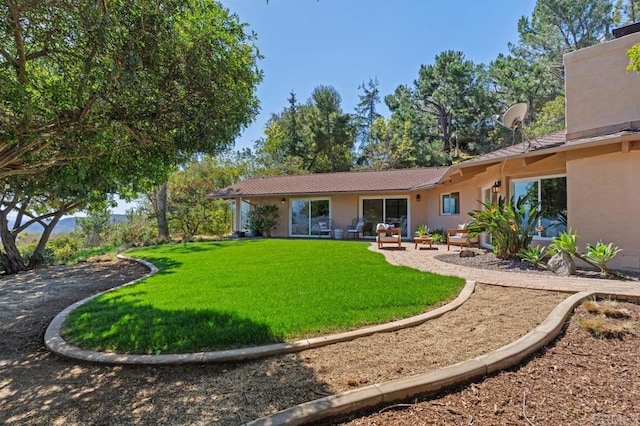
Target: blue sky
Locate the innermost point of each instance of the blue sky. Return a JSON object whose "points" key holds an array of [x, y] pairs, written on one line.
{"points": [[343, 43]]}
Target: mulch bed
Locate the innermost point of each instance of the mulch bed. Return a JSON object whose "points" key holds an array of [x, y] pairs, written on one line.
{"points": [[487, 260]]}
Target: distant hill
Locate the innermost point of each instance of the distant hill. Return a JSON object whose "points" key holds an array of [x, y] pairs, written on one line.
{"points": [[66, 225]]}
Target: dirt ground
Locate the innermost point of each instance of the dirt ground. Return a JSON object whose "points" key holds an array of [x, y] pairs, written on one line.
{"points": [[37, 387]]}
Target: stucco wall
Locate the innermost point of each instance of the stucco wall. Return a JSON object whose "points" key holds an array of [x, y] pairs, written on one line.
{"points": [[604, 202], [599, 91], [469, 194]]}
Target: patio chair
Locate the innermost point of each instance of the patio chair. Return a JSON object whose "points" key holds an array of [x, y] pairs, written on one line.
{"points": [[357, 227], [460, 237], [325, 227], [388, 236]]}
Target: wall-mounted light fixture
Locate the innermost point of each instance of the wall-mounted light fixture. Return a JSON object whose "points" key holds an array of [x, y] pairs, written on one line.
{"points": [[284, 200], [496, 186], [417, 198]]}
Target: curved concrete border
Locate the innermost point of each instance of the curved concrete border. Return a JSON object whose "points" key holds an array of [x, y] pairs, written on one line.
{"points": [[56, 344], [373, 395]]}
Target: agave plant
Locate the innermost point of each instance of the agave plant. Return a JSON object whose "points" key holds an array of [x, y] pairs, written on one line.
{"points": [[600, 254], [534, 255], [597, 256], [564, 242]]}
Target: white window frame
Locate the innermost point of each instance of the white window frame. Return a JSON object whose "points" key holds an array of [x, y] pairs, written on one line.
{"points": [[486, 239], [448, 194]]}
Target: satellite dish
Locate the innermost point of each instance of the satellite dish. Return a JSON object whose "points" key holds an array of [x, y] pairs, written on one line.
{"points": [[514, 116]]}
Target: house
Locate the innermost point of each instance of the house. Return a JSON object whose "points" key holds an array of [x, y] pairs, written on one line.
{"points": [[586, 177]]}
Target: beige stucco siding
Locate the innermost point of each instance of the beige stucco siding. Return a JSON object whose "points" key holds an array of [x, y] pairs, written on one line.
{"points": [[604, 203], [600, 93], [344, 208]]}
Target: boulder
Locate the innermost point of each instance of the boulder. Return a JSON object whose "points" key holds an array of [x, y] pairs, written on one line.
{"points": [[467, 253], [562, 264]]}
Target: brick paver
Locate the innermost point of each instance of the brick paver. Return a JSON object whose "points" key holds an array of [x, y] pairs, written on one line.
{"points": [[425, 260]]}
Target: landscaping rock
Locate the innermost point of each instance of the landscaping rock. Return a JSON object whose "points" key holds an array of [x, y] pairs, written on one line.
{"points": [[467, 253], [562, 264]]}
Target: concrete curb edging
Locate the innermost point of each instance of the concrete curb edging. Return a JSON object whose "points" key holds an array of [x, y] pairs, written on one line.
{"points": [[56, 344], [370, 396]]}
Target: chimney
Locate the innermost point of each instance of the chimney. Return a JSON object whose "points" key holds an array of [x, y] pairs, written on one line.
{"points": [[601, 96]]}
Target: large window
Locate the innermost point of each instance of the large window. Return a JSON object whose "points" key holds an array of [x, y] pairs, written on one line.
{"points": [[392, 211], [550, 194], [451, 203], [305, 215]]}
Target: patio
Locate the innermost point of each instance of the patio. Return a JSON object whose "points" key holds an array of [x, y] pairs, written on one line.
{"points": [[425, 260]]}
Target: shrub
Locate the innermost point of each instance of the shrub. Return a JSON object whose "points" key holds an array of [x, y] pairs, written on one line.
{"points": [[511, 224], [65, 241], [48, 254], [64, 254], [137, 229], [438, 235], [263, 218]]}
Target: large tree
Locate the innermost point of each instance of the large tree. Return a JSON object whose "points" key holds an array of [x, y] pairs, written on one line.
{"points": [[331, 131], [453, 92], [626, 12], [136, 83], [366, 115], [560, 26]]}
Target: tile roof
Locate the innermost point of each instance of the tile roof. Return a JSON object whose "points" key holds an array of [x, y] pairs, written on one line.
{"points": [[343, 182]]}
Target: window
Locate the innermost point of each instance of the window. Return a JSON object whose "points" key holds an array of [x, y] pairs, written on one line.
{"points": [[451, 203], [305, 214], [550, 193]]}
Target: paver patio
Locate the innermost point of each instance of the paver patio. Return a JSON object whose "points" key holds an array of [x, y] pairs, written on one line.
{"points": [[425, 260]]}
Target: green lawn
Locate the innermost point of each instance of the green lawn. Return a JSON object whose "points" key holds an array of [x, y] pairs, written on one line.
{"points": [[216, 295]]}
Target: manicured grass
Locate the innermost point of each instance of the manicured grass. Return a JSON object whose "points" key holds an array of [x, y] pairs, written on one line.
{"points": [[215, 295]]}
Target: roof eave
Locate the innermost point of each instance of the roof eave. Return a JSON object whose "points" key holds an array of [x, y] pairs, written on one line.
{"points": [[566, 146]]}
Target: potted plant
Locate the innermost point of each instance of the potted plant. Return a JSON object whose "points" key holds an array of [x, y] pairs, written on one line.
{"points": [[422, 231]]}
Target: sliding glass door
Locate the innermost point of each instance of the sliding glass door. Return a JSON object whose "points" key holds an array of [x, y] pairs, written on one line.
{"points": [[391, 211], [305, 213]]}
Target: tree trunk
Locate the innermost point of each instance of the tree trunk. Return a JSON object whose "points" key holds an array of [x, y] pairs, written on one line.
{"points": [[11, 259], [37, 258], [161, 213]]}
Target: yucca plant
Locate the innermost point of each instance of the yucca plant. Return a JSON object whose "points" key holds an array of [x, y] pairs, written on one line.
{"points": [[600, 254], [511, 224]]}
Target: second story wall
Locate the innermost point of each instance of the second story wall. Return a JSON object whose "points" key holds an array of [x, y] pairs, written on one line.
{"points": [[601, 96]]}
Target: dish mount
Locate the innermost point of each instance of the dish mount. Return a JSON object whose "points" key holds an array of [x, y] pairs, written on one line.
{"points": [[513, 119]]}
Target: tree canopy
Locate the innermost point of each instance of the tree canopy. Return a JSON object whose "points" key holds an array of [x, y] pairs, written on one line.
{"points": [[108, 97]]}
